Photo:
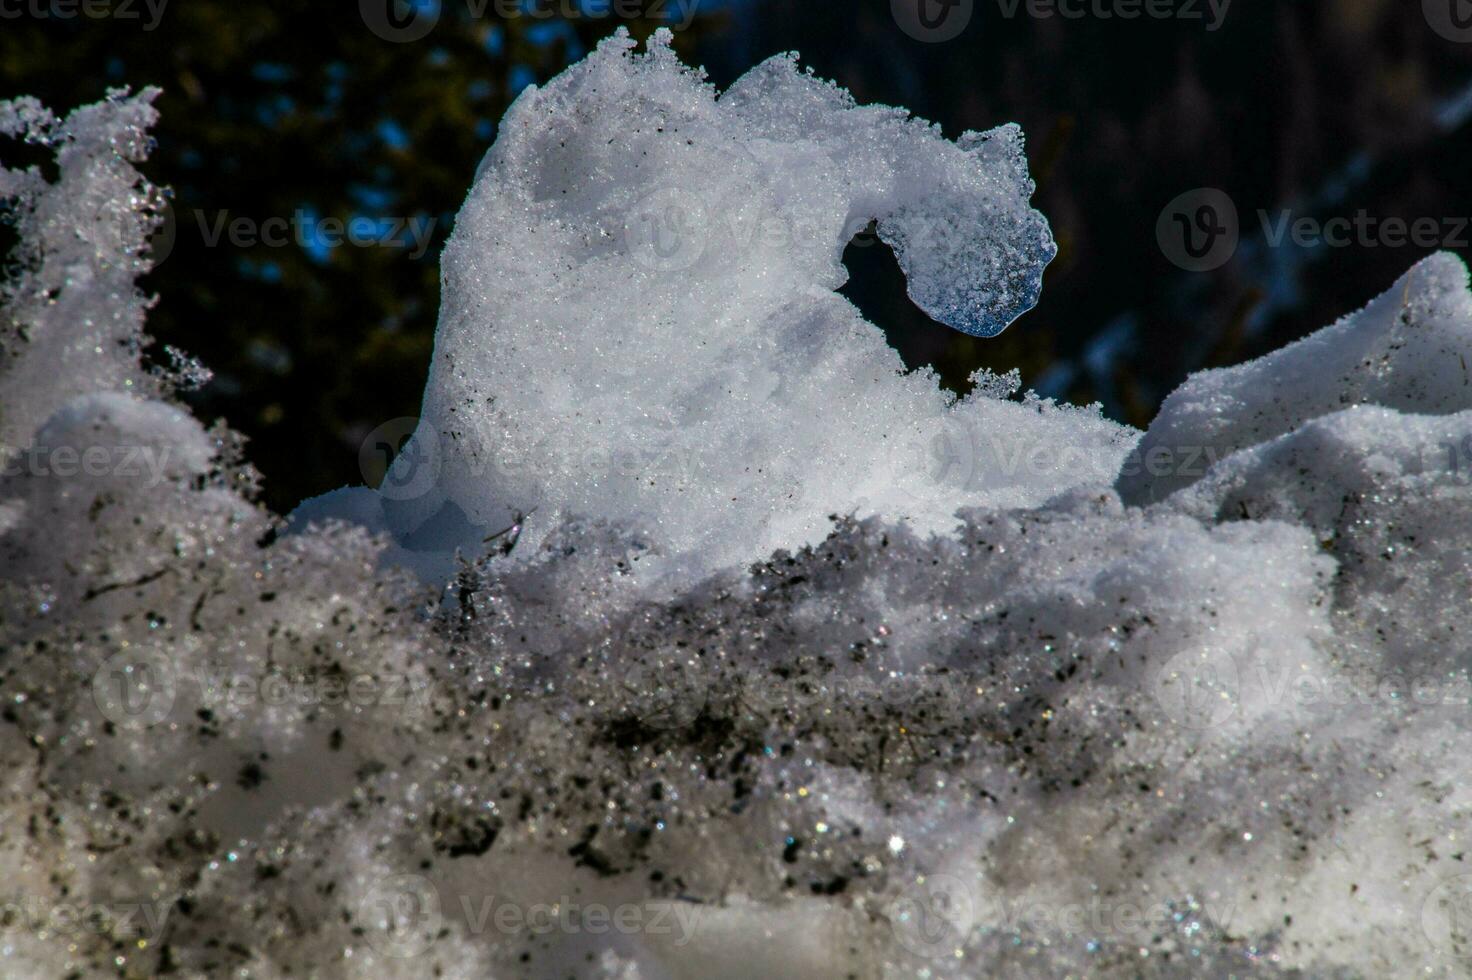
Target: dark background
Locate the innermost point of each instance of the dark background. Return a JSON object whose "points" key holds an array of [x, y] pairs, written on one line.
{"points": [[1324, 107]]}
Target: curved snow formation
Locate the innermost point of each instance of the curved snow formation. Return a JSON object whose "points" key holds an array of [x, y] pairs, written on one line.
{"points": [[640, 320]]}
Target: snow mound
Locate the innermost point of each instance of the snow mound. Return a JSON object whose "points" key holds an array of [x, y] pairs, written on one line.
{"points": [[1407, 351], [1224, 734], [640, 320]]}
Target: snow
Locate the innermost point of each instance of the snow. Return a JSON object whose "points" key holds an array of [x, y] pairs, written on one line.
{"points": [[1407, 351], [71, 349], [1041, 715], [640, 320]]}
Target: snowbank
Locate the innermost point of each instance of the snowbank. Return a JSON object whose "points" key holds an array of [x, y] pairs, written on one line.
{"points": [[1208, 723]]}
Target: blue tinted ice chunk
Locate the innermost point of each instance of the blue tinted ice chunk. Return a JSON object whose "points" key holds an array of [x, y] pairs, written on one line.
{"points": [[973, 251]]}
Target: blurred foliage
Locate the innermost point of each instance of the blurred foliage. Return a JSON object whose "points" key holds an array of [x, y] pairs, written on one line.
{"points": [[274, 111]]}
